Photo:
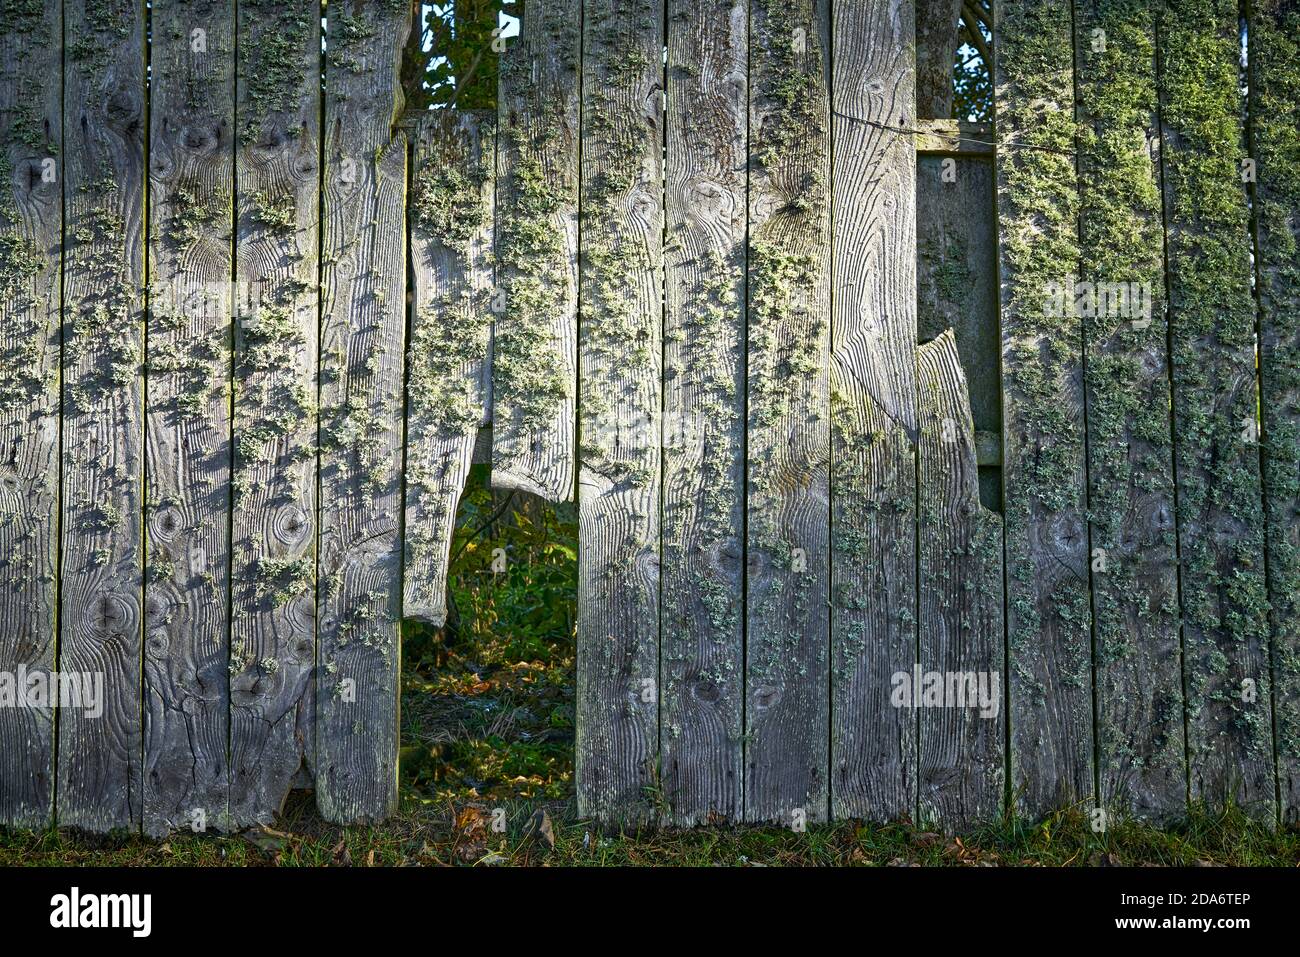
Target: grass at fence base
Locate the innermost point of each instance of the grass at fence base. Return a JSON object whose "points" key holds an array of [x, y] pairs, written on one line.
{"points": [[487, 722]]}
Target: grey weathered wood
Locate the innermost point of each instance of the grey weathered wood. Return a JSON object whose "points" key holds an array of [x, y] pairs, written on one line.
{"points": [[187, 528], [957, 288], [954, 137], [873, 410], [1274, 103], [961, 759], [99, 775], [1216, 454], [535, 338], [787, 658], [1048, 617], [704, 380], [1141, 765], [31, 217], [620, 400], [274, 522], [453, 180], [363, 290]]}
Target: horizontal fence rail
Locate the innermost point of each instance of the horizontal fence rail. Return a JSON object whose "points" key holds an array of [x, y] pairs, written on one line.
{"points": [[921, 473]]}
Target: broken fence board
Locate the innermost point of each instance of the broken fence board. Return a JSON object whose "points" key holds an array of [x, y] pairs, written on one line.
{"points": [[535, 338], [453, 178], [961, 745]]}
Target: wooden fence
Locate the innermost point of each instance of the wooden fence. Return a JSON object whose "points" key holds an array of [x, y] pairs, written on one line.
{"points": [[252, 337]]}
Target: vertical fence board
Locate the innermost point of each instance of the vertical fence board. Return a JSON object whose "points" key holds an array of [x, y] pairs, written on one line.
{"points": [[451, 320], [1275, 147], [535, 338], [186, 652], [1216, 454], [100, 757], [31, 219], [787, 668], [1048, 616], [960, 760], [620, 408], [363, 290], [957, 285], [273, 526], [1140, 754], [704, 441], [873, 409]]}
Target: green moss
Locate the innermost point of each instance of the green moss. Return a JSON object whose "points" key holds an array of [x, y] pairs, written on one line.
{"points": [[1212, 335], [1130, 465], [1275, 145], [271, 62], [1039, 209]]}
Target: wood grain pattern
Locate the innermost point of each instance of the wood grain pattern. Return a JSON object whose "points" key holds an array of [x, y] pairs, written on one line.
{"points": [[453, 179], [1212, 321], [620, 409], [31, 223], [1275, 145], [535, 338], [274, 522], [873, 410], [702, 698], [187, 546], [1048, 614], [1139, 698], [961, 744], [99, 783], [363, 290], [787, 659]]}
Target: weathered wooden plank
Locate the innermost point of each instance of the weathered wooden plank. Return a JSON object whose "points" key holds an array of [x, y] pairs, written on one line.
{"points": [[1212, 340], [274, 523], [704, 335], [453, 181], [957, 289], [363, 289], [1048, 618], [960, 759], [954, 137], [31, 219], [535, 337], [873, 410], [99, 785], [1141, 764], [620, 400], [187, 545], [787, 660], [1275, 146]]}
